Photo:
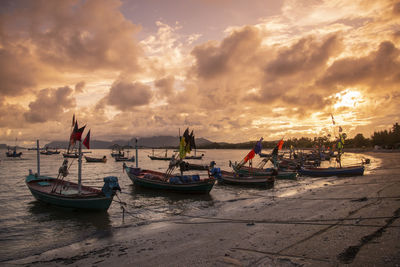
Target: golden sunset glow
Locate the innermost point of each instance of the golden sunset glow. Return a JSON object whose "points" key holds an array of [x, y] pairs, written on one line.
{"points": [[230, 70], [348, 99]]}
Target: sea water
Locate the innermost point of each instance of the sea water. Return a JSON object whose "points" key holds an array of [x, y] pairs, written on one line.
{"points": [[29, 227]]}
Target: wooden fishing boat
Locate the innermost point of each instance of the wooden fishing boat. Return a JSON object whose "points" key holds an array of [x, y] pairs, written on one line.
{"points": [[174, 182], [12, 153], [49, 152], [92, 159], [59, 192], [188, 166], [233, 178], [122, 158], [158, 157], [280, 174], [71, 155], [67, 194], [194, 157], [165, 157], [332, 171]]}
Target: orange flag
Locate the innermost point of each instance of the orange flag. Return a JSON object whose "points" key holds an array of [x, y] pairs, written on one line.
{"points": [[280, 144]]}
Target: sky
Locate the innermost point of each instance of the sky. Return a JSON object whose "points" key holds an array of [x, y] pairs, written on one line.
{"points": [[231, 70]]}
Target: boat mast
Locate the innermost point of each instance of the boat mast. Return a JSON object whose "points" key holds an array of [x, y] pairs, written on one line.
{"points": [[38, 157], [80, 168], [136, 154]]}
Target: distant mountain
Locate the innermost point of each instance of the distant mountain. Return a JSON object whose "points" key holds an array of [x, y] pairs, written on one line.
{"points": [[143, 142]]}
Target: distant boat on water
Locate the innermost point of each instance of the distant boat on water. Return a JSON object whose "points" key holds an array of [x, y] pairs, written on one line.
{"points": [[155, 157], [12, 153], [49, 151], [93, 159]]}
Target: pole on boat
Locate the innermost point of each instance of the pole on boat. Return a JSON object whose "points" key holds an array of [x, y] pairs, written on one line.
{"points": [[38, 157], [80, 168], [136, 154]]}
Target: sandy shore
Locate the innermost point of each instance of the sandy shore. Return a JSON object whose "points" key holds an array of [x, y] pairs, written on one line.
{"points": [[331, 222]]}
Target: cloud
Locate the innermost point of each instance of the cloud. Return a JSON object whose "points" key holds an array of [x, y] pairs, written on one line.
{"points": [[43, 41], [380, 68], [11, 115], [165, 86], [50, 104], [18, 71], [79, 87], [125, 95], [304, 56]]}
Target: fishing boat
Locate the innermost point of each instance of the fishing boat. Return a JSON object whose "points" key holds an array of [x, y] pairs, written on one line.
{"points": [[188, 166], [173, 182], [155, 157], [117, 151], [72, 195], [12, 153], [280, 174], [356, 170], [57, 191], [169, 181], [93, 159], [48, 151], [332, 171], [260, 169], [71, 155], [123, 158], [195, 156], [232, 178]]}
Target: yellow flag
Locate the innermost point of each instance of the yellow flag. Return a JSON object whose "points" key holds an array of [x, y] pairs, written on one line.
{"points": [[182, 148]]}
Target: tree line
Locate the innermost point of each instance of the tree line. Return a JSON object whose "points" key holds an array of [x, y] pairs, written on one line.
{"points": [[389, 139]]}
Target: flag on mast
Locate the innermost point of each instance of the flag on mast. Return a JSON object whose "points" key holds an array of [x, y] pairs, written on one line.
{"points": [[76, 134], [86, 142]]}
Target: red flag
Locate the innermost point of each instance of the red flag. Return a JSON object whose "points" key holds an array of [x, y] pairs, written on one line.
{"points": [[249, 156], [87, 140], [72, 137], [76, 134], [280, 144]]}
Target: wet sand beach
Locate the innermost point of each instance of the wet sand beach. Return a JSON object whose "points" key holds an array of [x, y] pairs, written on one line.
{"points": [[332, 221]]}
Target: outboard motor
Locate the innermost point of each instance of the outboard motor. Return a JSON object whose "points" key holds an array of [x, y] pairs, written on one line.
{"points": [[110, 186], [216, 173]]}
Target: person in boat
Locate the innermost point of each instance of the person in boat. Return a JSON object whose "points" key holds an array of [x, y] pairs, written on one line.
{"points": [[340, 145], [173, 162], [63, 170]]}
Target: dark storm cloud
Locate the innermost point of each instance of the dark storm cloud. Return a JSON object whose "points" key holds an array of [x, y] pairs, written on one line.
{"points": [[126, 95], [50, 104]]}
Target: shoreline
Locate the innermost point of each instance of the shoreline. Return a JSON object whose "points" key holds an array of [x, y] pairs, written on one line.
{"points": [[329, 221]]}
